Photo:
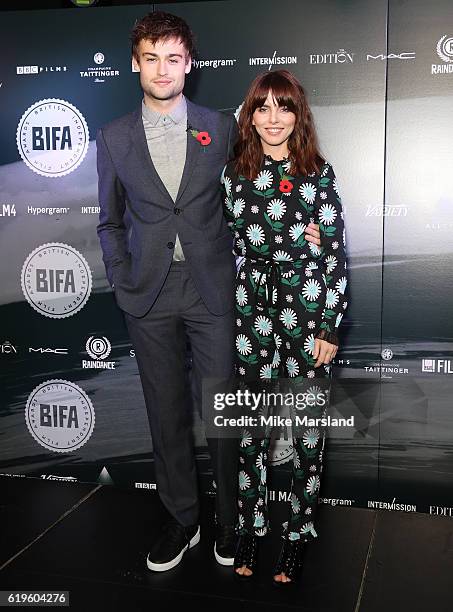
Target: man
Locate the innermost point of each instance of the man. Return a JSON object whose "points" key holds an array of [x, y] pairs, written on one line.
{"points": [[168, 257]]}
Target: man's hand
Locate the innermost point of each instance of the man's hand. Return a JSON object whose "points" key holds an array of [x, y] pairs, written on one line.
{"points": [[312, 234], [324, 352]]}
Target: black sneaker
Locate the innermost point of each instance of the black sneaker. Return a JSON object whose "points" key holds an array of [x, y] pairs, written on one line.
{"points": [[171, 545], [225, 544]]}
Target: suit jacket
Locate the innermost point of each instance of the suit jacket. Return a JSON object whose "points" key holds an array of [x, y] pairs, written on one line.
{"points": [[138, 219]]}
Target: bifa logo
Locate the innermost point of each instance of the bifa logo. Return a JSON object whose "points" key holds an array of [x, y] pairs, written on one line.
{"points": [[52, 137], [56, 280], [60, 415]]}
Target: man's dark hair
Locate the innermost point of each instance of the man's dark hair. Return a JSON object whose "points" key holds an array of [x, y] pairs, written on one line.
{"points": [[162, 26]]}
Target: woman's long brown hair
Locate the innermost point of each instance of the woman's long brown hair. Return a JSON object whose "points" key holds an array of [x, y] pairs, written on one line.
{"points": [[303, 147]]}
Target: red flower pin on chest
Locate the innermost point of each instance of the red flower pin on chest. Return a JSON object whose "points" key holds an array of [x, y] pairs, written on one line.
{"points": [[203, 137]]}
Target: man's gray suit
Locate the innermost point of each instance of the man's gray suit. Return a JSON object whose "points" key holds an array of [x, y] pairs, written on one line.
{"points": [[166, 302]]}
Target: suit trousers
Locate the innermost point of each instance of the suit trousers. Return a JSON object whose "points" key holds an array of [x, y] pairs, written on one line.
{"points": [[160, 341]]}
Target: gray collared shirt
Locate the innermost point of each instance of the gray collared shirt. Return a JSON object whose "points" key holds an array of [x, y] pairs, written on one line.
{"points": [[166, 136]]}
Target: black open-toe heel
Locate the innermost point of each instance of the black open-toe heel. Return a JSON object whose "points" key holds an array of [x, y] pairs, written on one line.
{"points": [[289, 562], [246, 554]]}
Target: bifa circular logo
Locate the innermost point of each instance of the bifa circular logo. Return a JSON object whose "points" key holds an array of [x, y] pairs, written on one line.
{"points": [[52, 137], [56, 280], [60, 415]]}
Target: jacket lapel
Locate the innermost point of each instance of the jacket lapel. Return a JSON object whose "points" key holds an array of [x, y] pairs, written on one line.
{"points": [[141, 147], [195, 122]]}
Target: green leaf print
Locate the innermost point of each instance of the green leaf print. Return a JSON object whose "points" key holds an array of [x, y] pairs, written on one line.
{"points": [[309, 306], [272, 311], [275, 225], [300, 243], [328, 279], [251, 359], [262, 250], [294, 281], [246, 310], [329, 313], [249, 450], [248, 493], [263, 340], [308, 358], [307, 207], [310, 498], [328, 230], [325, 325], [239, 223], [256, 470], [299, 473], [323, 182], [293, 333], [269, 192]]}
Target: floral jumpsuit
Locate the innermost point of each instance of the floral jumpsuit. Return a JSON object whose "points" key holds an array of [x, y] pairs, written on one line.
{"points": [[287, 291]]}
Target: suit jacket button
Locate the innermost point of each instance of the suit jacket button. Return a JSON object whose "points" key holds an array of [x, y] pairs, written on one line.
{"points": [[171, 245], [177, 211]]}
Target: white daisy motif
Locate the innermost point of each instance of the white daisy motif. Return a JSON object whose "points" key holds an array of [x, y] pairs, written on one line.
{"points": [[238, 188], [296, 461], [335, 245], [338, 319], [276, 209], [259, 461], [242, 275], [266, 371], [309, 528], [241, 295], [261, 532], [263, 325], [255, 210], [288, 345], [344, 237], [281, 256], [263, 353], [331, 263], [295, 503], [310, 439], [313, 484], [289, 298], [278, 239], [286, 166], [263, 180], [341, 284], [243, 344], [258, 277], [345, 304], [308, 272], [308, 510], [335, 185], [308, 192], [327, 214], [288, 318], [297, 230], [240, 245], [263, 475], [244, 480], [238, 322], [331, 298], [298, 215], [309, 344], [293, 536], [255, 234], [241, 521], [259, 520], [311, 325], [311, 290], [227, 184], [238, 207], [292, 366], [323, 195], [310, 374], [314, 249], [246, 439]]}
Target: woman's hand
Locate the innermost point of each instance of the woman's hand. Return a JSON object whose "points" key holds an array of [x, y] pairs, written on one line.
{"points": [[324, 352]]}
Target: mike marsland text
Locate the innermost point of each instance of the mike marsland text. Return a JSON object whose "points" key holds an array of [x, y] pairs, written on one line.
{"points": [[279, 421]]}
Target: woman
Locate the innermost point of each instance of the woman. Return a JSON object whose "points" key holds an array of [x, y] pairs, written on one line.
{"points": [[290, 294]]}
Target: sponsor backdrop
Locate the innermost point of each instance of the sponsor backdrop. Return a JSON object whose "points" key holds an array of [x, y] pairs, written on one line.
{"points": [[379, 77]]}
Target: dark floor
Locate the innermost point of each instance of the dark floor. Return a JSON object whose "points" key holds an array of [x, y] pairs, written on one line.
{"points": [[92, 541]]}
